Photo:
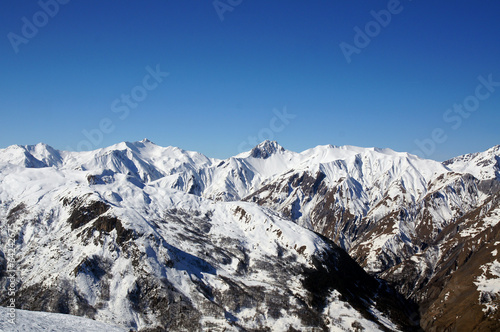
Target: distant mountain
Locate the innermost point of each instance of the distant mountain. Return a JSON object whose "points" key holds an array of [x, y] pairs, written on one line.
{"points": [[483, 165], [150, 237]]}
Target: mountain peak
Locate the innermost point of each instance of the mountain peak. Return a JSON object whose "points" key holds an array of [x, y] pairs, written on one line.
{"points": [[494, 150], [145, 140], [133, 146], [266, 149]]}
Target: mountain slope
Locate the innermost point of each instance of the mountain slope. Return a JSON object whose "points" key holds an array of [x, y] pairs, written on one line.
{"points": [[483, 165], [144, 256], [238, 227], [405, 225], [30, 321]]}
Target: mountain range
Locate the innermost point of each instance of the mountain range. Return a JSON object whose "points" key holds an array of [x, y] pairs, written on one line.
{"points": [[155, 238]]}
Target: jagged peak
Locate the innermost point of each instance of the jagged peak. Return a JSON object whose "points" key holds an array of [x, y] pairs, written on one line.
{"points": [[139, 144], [494, 150], [30, 147], [266, 149]]}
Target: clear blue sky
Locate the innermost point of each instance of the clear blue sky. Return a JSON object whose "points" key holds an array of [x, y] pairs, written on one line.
{"points": [[225, 77]]}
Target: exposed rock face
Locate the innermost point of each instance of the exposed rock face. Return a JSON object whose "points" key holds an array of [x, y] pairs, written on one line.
{"points": [[266, 149]]}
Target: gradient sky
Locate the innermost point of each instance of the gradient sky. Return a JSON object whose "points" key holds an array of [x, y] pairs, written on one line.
{"points": [[228, 78]]}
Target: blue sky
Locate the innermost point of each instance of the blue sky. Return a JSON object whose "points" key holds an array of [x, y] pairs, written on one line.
{"points": [[241, 71]]}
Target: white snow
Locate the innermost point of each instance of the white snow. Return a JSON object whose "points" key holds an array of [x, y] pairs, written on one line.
{"points": [[488, 284], [34, 321], [345, 318], [482, 165]]}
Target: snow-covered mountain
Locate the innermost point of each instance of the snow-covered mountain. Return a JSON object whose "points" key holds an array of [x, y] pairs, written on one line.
{"points": [[483, 165], [145, 236]]}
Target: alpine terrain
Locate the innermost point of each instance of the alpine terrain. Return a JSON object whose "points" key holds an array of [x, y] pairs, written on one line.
{"points": [[147, 238]]}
